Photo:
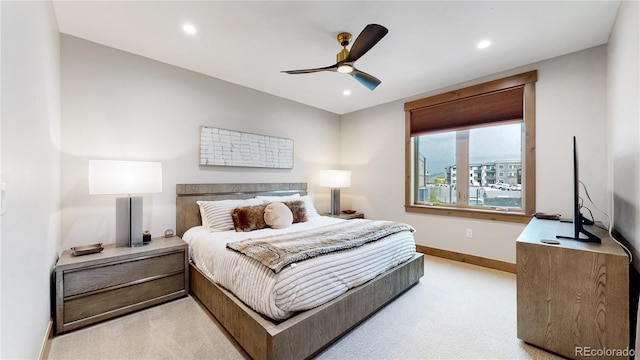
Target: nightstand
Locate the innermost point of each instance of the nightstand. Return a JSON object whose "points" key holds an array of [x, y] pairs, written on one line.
{"points": [[356, 215], [118, 280]]}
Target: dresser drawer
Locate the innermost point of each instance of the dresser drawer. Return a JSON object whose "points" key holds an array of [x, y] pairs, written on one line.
{"points": [[101, 277], [81, 307]]}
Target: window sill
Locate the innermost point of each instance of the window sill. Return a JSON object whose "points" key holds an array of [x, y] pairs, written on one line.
{"points": [[470, 213]]}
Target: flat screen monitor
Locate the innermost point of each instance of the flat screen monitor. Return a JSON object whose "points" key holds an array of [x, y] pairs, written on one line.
{"points": [[579, 232]]}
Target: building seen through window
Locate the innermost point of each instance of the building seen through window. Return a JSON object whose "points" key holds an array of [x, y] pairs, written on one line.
{"points": [[495, 167]]}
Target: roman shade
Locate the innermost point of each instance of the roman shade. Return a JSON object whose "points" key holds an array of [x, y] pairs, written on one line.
{"points": [[496, 106]]}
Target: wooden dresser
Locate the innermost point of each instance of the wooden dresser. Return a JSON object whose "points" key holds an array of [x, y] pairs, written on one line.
{"points": [[118, 280], [572, 298]]}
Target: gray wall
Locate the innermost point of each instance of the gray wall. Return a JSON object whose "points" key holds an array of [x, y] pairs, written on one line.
{"points": [[30, 166], [623, 94]]}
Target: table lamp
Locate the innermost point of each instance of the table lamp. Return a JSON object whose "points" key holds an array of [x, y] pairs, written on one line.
{"points": [[335, 179], [113, 177]]}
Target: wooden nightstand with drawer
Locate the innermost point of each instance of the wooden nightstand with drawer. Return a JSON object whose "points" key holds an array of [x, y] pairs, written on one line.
{"points": [[118, 280], [344, 216]]}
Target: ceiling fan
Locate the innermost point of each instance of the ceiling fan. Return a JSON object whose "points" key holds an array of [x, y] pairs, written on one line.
{"points": [[370, 36]]}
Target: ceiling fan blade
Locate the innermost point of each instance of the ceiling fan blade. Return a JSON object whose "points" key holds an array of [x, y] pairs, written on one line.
{"points": [[308, 71], [370, 81], [370, 36]]}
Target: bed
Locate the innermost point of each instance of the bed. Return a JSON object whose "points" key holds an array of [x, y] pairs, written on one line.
{"points": [[306, 333]]}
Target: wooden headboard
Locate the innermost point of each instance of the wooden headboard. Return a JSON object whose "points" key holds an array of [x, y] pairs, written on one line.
{"points": [[188, 212]]}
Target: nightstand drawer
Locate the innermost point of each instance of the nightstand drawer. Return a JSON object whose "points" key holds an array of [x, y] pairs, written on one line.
{"points": [[101, 277], [81, 307]]}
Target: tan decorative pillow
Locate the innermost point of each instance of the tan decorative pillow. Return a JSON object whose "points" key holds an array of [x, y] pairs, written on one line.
{"points": [[278, 215], [249, 218], [298, 209]]}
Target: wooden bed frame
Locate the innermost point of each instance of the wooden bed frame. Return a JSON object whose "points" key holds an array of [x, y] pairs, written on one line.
{"points": [[306, 333]]}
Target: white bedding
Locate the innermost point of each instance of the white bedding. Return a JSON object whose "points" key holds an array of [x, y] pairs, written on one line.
{"points": [[300, 286]]}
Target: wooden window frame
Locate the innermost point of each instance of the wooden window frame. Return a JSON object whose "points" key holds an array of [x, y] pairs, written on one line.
{"points": [[527, 82]]}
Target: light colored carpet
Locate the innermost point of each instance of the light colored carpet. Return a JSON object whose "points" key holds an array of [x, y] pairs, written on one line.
{"points": [[456, 311]]}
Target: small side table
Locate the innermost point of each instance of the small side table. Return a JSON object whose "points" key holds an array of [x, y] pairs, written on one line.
{"points": [[344, 216]]}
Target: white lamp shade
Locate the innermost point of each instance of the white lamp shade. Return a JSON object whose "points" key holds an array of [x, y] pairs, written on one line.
{"points": [[124, 177], [335, 178]]}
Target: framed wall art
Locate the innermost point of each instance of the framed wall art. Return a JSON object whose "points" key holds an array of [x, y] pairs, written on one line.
{"points": [[223, 147]]}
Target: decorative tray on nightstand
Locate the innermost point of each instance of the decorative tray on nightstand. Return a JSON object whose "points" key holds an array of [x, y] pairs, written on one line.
{"points": [[87, 249]]}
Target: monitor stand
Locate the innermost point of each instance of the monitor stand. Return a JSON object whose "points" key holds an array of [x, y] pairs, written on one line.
{"points": [[590, 237]]}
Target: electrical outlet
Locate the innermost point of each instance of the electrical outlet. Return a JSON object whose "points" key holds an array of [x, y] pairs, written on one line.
{"points": [[469, 233]]}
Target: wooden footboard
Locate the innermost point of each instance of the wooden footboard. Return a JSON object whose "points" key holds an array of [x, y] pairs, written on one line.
{"points": [[307, 333]]}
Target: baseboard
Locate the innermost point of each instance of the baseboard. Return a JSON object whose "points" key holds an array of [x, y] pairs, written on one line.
{"points": [[469, 259], [46, 343]]}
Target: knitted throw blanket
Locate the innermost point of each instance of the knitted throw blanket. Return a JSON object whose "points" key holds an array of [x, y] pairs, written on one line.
{"points": [[278, 251]]}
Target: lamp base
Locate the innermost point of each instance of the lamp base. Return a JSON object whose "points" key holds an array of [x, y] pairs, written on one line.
{"points": [[335, 201], [129, 221]]}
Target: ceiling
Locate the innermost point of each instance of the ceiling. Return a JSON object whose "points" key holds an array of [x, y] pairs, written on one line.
{"points": [[430, 44]]}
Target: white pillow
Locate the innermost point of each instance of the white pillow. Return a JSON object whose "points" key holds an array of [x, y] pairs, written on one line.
{"points": [[268, 199], [216, 215], [308, 205], [278, 215]]}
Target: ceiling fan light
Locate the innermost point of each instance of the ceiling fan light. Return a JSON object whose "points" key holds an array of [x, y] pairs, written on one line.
{"points": [[345, 69]]}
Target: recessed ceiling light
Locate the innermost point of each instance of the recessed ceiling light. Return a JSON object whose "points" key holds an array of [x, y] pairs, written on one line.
{"points": [[346, 92], [189, 29], [484, 44]]}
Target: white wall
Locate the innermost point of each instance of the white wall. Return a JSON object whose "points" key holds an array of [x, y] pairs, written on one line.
{"points": [[623, 94], [30, 162], [570, 100], [2, 193], [116, 105]]}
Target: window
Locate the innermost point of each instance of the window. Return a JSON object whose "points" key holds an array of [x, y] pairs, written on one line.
{"points": [[488, 130]]}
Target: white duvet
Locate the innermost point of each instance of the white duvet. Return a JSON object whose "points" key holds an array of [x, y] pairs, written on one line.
{"points": [[300, 286]]}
